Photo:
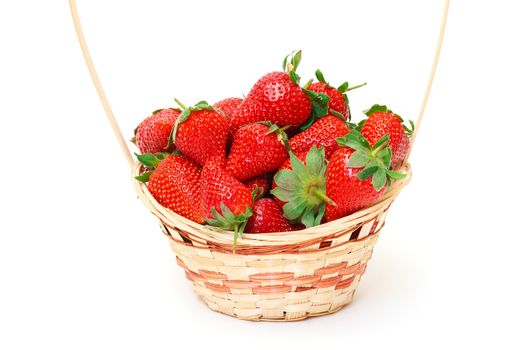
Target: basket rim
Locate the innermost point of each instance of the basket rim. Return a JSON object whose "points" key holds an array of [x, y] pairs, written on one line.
{"points": [[206, 233]]}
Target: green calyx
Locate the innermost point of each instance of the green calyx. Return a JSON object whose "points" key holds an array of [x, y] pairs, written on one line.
{"points": [[185, 114], [290, 64], [409, 130], [320, 100], [319, 103], [257, 193], [374, 161], [281, 133], [303, 188], [133, 140], [150, 161], [228, 221]]}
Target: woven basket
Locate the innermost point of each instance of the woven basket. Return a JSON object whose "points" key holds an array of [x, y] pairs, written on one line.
{"points": [[276, 276]]}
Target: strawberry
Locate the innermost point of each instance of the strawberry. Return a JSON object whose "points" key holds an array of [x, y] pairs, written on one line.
{"points": [[256, 149], [358, 174], [151, 136], [278, 98], [323, 132], [259, 184], [228, 106], [382, 121], [225, 201], [200, 132], [303, 188], [338, 103], [267, 217], [174, 183]]}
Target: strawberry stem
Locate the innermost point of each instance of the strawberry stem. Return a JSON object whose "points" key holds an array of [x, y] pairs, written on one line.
{"points": [[180, 103], [356, 87], [322, 196]]}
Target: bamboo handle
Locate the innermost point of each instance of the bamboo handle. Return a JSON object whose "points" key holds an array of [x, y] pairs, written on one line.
{"points": [[98, 85], [430, 79], [118, 133]]}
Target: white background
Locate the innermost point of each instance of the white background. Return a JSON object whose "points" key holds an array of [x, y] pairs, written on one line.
{"points": [[83, 264]]}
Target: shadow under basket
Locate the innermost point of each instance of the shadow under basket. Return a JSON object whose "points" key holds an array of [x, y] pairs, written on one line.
{"points": [[283, 276]]}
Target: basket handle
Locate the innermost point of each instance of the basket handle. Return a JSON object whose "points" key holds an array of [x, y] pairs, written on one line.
{"points": [[118, 132]]}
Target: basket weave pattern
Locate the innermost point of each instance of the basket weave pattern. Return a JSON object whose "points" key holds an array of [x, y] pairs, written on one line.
{"points": [[279, 276]]}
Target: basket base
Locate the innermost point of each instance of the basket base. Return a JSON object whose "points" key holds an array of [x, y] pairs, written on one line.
{"points": [[286, 317]]}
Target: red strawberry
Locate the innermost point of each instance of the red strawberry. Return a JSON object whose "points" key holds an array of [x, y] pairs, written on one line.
{"points": [[201, 133], [151, 136], [267, 217], [382, 121], [323, 132], [262, 182], [359, 175], [229, 105], [174, 183], [338, 103], [257, 149], [225, 201], [278, 98], [303, 188]]}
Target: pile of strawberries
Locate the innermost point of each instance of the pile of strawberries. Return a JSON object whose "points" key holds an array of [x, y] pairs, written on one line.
{"points": [[283, 158]]}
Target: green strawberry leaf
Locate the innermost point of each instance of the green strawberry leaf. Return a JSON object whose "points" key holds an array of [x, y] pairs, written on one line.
{"points": [[319, 103], [357, 160], [315, 160], [354, 140], [375, 108], [385, 155], [319, 75], [319, 215], [379, 179], [367, 172], [282, 194], [148, 159], [257, 193], [337, 114], [409, 130], [286, 179], [381, 143], [228, 221], [294, 208], [294, 77], [343, 87], [308, 219], [308, 123], [395, 175], [144, 177]]}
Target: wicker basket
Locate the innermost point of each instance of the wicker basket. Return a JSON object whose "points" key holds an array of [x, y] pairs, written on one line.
{"points": [[277, 276]]}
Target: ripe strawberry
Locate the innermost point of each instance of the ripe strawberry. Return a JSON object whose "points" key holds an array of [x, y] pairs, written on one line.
{"points": [[225, 201], [228, 106], [278, 98], [260, 184], [256, 149], [338, 103], [200, 132], [323, 132], [382, 121], [151, 136], [174, 183], [303, 188], [267, 217], [358, 174]]}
